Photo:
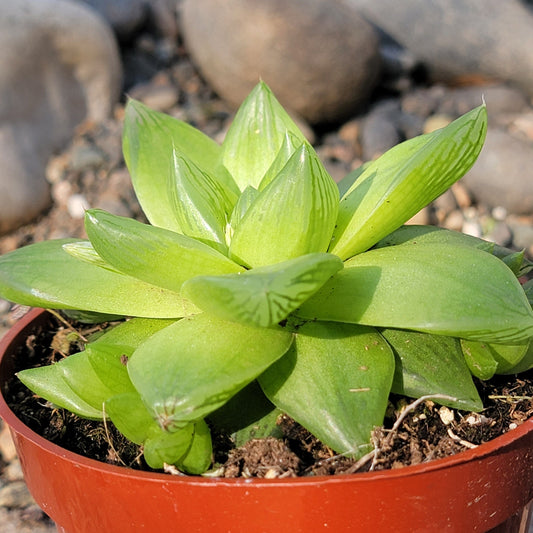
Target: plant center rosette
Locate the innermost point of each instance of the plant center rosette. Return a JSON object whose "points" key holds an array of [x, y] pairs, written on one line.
{"points": [[260, 287]]}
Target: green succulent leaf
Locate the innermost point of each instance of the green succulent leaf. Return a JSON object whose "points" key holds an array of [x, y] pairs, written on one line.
{"points": [[82, 382], [432, 365], [109, 361], [335, 381], [201, 204], [416, 234], [189, 448], [192, 367], [347, 182], [294, 215], [247, 415], [67, 382], [433, 288], [405, 179], [162, 447], [130, 334], [528, 289], [151, 254], [84, 251], [256, 136], [130, 416], [480, 362], [518, 263], [246, 199], [49, 382], [109, 354], [198, 458], [149, 139], [420, 234], [262, 296], [506, 357], [524, 365], [290, 144], [44, 275], [88, 317]]}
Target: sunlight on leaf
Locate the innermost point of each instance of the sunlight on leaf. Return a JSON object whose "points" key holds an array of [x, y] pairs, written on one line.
{"points": [[433, 288], [290, 144], [201, 205], [149, 139], [262, 296], [417, 234], [405, 179], [44, 275], [194, 366], [152, 254], [294, 215], [49, 382], [256, 136], [84, 251]]}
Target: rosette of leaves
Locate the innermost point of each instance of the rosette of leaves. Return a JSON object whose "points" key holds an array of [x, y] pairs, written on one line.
{"points": [[260, 286]]}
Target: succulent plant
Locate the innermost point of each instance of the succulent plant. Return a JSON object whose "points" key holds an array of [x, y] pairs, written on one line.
{"points": [[261, 286]]}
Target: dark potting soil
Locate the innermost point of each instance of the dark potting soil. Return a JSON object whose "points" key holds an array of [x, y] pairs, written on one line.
{"points": [[414, 431]]}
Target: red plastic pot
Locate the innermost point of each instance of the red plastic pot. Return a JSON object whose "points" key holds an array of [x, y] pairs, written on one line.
{"points": [[475, 490]]}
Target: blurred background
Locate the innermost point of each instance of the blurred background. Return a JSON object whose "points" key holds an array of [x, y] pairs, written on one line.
{"points": [[359, 76]]}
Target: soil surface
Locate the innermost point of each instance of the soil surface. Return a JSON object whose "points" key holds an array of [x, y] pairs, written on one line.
{"points": [[414, 431]]}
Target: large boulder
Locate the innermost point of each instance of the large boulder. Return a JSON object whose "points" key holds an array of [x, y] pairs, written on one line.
{"points": [[59, 65], [501, 176], [127, 17], [320, 57], [461, 41]]}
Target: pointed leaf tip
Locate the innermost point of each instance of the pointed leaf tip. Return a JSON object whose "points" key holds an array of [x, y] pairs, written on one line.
{"points": [[255, 136], [396, 186]]}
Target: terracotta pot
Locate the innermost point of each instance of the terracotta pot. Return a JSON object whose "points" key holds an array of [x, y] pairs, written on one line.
{"points": [[475, 490]]}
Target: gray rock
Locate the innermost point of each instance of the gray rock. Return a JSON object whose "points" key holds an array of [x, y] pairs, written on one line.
{"points": [[84, 157], [320, 57], [124, 16], [423, 102], [460, 40], [59, 65], [500, 234], [380, 131], [500, 99], [13, 471], [522, 235], [127, 17], [15, 495], [500, 176], [29, 520], [159, 93]]}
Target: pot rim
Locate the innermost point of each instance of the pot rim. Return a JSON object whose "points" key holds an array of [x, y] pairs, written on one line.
{"points": [[17, 426]]}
